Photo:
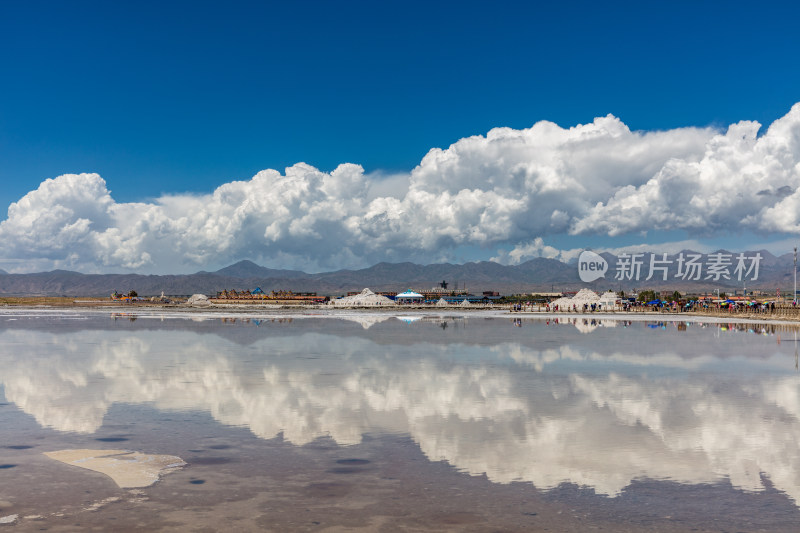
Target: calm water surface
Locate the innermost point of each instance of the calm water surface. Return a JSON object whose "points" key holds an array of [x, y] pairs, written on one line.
{"points": [[381, 422]]}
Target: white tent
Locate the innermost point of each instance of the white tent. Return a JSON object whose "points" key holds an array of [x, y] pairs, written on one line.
{"points": [[409, 294], [409, 297], [442, 303]]}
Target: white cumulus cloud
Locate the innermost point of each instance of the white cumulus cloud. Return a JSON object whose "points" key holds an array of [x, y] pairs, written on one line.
{"points": [[509, 189], [743, 181]]}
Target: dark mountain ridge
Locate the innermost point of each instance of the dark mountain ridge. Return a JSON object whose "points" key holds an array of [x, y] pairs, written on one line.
{"points": [[248, 269], [535, 275]]}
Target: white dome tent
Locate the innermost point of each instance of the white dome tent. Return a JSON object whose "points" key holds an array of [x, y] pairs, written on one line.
{"points": [[409, 297]]}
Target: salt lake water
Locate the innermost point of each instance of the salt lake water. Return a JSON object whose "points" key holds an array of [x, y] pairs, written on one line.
{"points": [[447, 421]]}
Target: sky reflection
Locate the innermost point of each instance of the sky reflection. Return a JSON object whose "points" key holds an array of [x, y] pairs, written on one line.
{"points": [[598, 404]]}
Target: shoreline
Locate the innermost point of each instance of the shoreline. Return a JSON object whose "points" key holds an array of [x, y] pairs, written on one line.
{"points": [[320, 311]]}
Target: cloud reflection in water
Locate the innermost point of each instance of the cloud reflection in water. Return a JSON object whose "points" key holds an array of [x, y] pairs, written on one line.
{"points": [[598, 417]]}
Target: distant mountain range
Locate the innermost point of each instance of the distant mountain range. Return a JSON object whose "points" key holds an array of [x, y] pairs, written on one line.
{"points": [[536, 275]]}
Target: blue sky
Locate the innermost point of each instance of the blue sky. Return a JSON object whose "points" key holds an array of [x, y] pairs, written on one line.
{"points": [[176, 99]]}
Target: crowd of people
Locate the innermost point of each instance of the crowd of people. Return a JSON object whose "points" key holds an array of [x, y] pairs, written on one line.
{"points": [[675, 306]]}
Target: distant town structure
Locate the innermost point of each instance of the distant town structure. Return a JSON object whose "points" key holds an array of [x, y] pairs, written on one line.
{"points": [[274, 297]]}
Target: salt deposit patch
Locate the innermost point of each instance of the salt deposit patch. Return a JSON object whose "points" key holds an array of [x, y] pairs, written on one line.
{"points": [[128, 469], [587, 297], [198, 300]]}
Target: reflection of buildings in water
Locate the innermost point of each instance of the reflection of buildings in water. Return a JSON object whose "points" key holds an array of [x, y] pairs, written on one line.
{"points": [[131, 317], [585, 325], [512, 421], [366, 321], [588, 325]]}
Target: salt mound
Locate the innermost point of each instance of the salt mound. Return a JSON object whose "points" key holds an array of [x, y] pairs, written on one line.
{"points": [[366, 321], [128, 469], [199, 300], [465, 303], [561, 302], [442, 303], [365, 298], [584, 296]]}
